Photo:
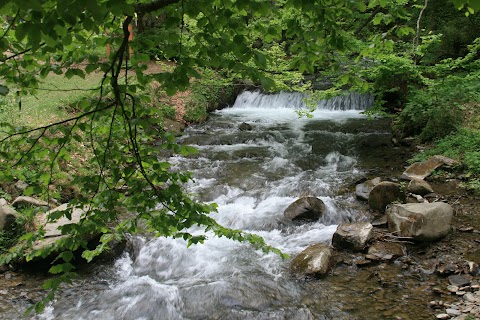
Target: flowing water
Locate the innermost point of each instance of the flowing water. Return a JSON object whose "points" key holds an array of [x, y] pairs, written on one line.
{"points": [[253, 175]]}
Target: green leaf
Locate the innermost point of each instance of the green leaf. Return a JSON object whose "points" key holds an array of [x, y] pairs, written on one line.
{"points": [[475, 5], [459, 3]]}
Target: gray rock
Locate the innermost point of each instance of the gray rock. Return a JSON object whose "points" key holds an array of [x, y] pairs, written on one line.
{"points": [[421, 170], [362, 190], [20, 185], [52, 231], [420, 221], [452, 288], [313, 261], [3, 202], [352, 236], [386, 250], [459, 280], [453, 312], [245, 127], [469, 297], [419, 187], [380, 222], [51, 228], [383, 194], [28, 201], [8, 216], [306, 208]]}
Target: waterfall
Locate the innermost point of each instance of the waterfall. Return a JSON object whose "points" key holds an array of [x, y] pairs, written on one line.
{"points": [[296, 100]]}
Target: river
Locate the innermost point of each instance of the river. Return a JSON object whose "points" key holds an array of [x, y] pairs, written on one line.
{"points": [[253, 175]]}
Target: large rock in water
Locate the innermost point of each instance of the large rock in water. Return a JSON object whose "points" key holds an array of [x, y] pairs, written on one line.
{"points": [[362, 190], [245, 127], [383, 194], [420, 221], [418, 186], [306, 208], [313, 261], [352, 236], [421, 170]]}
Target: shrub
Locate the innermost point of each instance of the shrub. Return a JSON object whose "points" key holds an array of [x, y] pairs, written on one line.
{"points": [[438, 110], [462, 145], [392, 79]]}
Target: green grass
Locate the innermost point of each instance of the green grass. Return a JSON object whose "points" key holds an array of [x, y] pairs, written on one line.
{"points": [[49, 103], [464, 146]]}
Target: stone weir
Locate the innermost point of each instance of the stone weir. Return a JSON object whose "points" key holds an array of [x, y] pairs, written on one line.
{"points": [[298, 101]]}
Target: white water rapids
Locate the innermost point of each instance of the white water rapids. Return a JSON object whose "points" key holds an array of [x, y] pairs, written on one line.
{"points": [[253, 176]]}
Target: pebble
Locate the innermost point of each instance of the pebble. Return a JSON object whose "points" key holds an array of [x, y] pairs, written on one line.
{"points": [[452, 288], [470, 297], [437, 290], [466, 309], [453, 312]]}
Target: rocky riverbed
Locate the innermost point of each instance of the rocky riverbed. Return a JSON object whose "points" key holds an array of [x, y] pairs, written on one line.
{"points": [[427, 280], [430, 280]]}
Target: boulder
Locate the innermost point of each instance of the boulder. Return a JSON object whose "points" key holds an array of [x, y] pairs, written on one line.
{"points": [[352, 236], [51, 228], [306, 208], [245, 127], [383, 194], [52, 231], [385, 251], [3, 202], [28, 201], [362, 190], [7, 218], [419, 186], [313, 261], [420, 221], [421, 170]]}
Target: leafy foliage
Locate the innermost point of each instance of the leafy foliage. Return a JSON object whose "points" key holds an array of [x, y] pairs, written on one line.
{"points": [[463, 146], [439, 109]]}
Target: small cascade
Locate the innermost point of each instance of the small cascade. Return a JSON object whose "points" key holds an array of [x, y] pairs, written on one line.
{"points": [[296, 101]]}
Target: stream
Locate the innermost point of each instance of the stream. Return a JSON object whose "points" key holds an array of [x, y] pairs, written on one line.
{"points": [[254, 175]]}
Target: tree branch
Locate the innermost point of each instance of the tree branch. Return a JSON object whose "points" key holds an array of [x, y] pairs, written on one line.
{"points": [[10, 25], [417, 35], [370, 18], [56, 123]]}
